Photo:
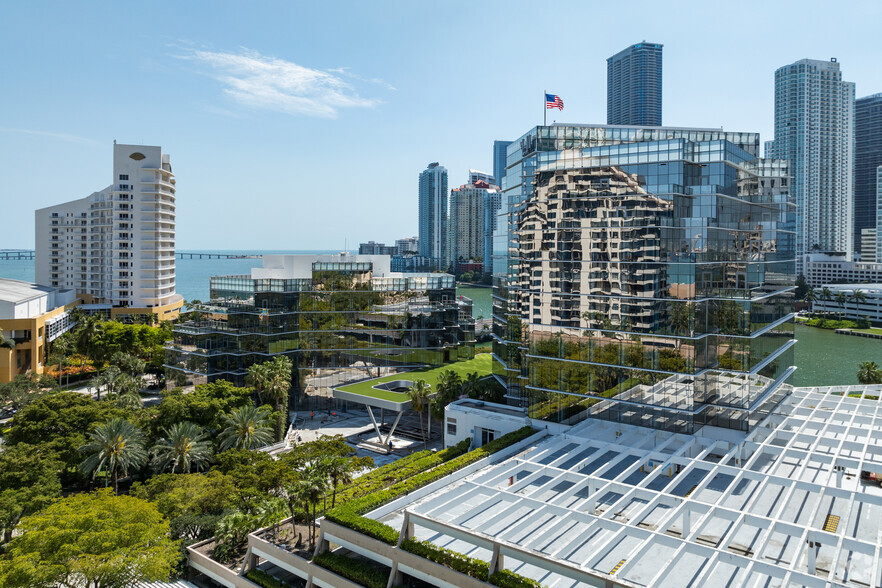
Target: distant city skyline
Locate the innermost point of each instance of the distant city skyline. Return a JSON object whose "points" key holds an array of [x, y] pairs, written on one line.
{"points": [[267, 111]]}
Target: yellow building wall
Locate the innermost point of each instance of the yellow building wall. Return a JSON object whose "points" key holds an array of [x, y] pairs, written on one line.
{"points": [[169, 312], [9, 358]]}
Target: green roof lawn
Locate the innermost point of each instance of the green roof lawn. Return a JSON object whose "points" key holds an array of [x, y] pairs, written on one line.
{"points": [[481, 364]]}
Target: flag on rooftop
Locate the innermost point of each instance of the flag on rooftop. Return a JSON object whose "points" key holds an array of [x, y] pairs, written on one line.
{"points": [[553, 101]]}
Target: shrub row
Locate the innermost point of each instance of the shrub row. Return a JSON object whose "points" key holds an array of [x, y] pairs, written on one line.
{"points": [[261, 578], [351, 569], [446, 557], [350, 513], [831, 324], [469, 566], [399, 470], [509, 579]]}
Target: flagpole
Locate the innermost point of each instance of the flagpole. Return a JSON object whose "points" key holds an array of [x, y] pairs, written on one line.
{"points": [[544, 108]]}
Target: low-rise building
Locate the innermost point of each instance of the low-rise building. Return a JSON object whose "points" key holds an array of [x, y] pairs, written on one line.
{"points": [[824, 268], [31, 315], [862, 301]]}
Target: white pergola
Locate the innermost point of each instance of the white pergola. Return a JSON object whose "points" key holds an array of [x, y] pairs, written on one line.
{"points": [[610, 504]]}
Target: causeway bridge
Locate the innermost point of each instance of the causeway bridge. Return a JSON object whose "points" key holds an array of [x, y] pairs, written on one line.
{"points": [[15, 255]]}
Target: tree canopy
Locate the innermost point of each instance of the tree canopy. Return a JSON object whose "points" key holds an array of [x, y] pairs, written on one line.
{"points": [[96, 540], [60, 422], [28, 482]]}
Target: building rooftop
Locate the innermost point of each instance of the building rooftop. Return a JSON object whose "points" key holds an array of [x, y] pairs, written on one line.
{"points": [[795, 502], [16, 291]]}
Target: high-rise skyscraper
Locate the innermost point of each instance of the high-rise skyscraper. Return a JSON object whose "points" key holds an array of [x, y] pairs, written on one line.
{"points": [[433, 214], [814, 129], [118, 244], [867, 157], [648, 277], [634, 86], [467, 220], [499, 148]]}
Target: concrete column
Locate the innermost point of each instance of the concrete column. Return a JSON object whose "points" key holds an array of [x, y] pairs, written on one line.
{"points": [[396, 578], [497, 561], [812, 555], [406, 529], [687, 522], [321, 545]]}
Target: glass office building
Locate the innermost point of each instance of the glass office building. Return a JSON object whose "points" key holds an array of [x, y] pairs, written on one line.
{"points": [[634, 86], [339, 318], [867, 157], [644, 276]]}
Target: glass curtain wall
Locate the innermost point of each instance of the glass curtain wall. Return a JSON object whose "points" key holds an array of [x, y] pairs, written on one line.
{"points": [[342, 325], [648, 282]]}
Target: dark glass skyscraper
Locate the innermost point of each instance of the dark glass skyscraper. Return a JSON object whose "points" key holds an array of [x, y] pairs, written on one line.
{"points": [[499, 148], [634, 86], [867, 157]]}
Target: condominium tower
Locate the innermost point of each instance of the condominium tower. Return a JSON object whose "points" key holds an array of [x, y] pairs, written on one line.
{"points": [[634, 86], [648, 278], [867, 157], [814, 129], [467, 220], [116, 245], [433, 214]]}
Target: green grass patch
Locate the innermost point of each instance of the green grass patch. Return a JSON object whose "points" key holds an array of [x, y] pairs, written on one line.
{"points": [[870, 331], [480, 364]]}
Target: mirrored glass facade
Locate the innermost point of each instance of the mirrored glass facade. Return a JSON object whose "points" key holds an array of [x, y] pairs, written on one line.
{"points": [[644, 276], [341, 324]]}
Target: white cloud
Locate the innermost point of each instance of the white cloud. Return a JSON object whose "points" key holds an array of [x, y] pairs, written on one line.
{"points": [[60, 136], [265, 82]]}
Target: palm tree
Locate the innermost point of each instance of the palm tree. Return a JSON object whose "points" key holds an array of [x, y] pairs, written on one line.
{"points": [[107, 378], [340, 470], [841, 299], [826, 294], [6, 342], [88, 334], [273, 380], [116, 446], [419, 397], [447, 389], [472, 385], [309, 489], [61, 348], [247, 427], [869, 373], [183, 446], [810, 298], [858, 297]]}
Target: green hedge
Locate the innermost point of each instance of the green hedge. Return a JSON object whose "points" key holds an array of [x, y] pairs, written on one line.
{"points": [[351, 569], [261, 578], [399, 470], [831, 324], [509, 579], [469, 566], [446, 557], [349, 513]]}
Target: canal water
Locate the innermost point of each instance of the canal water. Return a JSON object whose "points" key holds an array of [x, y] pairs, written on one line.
{"points": [[822, 357]]}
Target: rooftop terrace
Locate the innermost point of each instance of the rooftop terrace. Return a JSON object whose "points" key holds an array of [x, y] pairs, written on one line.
{"points": [[795, 502]]}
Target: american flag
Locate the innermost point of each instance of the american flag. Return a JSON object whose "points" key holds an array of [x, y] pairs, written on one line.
{"points": [[553, 101]]}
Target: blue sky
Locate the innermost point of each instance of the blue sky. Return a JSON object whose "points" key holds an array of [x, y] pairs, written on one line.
{"points": [[295, 125]]}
